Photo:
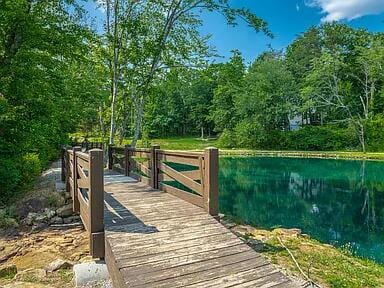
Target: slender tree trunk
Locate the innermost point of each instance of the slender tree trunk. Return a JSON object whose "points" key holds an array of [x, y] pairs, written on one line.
{"points": [[115, 74], [139, 119]]}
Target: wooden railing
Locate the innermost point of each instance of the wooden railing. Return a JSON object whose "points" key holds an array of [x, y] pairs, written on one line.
{"points": [[191, 176], [85, 181]]}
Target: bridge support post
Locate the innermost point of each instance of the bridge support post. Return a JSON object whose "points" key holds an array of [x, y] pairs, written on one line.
{"points": [[63, 163], [75, 196], [96, 203], [110, 156], [127, 159], [154, 181], [211, 180]]}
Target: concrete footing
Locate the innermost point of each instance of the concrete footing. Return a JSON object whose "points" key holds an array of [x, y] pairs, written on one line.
{"points": [[86, 274]]}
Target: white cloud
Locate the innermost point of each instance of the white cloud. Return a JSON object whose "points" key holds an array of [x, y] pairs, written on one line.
{"points": [[336, 10]]}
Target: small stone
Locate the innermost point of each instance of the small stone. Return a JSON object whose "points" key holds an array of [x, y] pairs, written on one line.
{"points": [[58, 264], [8, 271], [60, 186], [56, 220], [67, 195], [2, 248], [65, 211]]}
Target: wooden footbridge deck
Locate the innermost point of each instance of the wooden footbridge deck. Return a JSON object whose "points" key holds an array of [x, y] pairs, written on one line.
{"points": [[155, 222]]}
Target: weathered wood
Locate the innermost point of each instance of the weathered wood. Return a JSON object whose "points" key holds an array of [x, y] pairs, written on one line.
{"points": [[158, 240], [154, 169], [75, 200], [96, 202], [189, 197], [179, 177], [177, 158], [211, 180]]}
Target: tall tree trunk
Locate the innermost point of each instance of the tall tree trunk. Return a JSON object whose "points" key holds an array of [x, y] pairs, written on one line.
{"points": [[115, 75], [139, 119]]}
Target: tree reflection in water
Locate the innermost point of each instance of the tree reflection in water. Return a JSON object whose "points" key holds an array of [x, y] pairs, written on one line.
{"points": [[335, 201]]}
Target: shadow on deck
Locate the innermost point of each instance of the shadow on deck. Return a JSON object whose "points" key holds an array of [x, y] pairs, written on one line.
{"points": [[154, 239]]}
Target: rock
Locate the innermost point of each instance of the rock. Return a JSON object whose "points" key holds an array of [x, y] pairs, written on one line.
{"points": [[39, 226], [8, 271], [67, 196], [9, 254], [65, 211], [2, 248], [88, 273], [49, 213], [60, 186], [72, 219], [58, 264], [56, 220]]}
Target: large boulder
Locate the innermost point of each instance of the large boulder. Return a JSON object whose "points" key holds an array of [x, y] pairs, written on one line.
{"points": [[65, 211], [58, 264]]}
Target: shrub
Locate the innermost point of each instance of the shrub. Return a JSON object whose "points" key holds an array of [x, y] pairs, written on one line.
{"points": [[322, 138], [375, 135], [30, 168]]}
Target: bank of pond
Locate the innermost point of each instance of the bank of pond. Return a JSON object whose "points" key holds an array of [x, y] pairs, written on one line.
{"points": [[339, 202]]}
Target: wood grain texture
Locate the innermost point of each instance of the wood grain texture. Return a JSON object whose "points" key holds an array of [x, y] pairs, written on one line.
{"points": [[154, 239]]}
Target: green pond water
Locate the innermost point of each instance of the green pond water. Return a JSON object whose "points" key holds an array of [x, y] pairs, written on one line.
{"points": [[334, 201]]}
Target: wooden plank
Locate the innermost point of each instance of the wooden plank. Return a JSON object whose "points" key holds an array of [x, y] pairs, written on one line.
{"points": [[187, 259], [113, 269], [193, 161], [202, 271], [137, 261], [145, 248], [83, 163], [259, 274], [83, 183], [81, 173], [188, 182], [189, 197], [160, 225]]}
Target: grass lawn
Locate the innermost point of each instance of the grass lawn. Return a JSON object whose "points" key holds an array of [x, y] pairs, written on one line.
{"points": [[197, 144]]}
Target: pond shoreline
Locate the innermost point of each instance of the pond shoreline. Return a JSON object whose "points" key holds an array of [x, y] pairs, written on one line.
{"points": [[306, 154], [322, 263]]}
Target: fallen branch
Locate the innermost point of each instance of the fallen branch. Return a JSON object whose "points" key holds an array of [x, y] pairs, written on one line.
{"points": [[313, 284]]}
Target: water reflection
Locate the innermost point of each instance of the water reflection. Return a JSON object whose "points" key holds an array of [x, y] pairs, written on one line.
{"points": [[335, 201]]}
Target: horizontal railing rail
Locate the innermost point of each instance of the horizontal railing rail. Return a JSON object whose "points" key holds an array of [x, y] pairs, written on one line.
{"points": [[191, 176], [84, 176]]}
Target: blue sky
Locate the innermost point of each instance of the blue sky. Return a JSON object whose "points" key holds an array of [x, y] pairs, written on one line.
{"points": [[286, 19]]}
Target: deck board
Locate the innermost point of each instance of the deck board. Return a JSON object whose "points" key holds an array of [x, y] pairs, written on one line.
{"points": [[154, 239]]}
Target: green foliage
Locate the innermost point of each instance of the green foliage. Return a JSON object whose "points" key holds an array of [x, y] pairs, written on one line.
{"points": [[375, 135], [47, 81], [322, 138]]}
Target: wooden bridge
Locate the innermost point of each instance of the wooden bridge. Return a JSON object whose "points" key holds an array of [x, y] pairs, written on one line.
{"points": [[152, 216]]}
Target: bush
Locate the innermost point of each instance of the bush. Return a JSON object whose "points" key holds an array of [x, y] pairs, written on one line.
{"points": [[322, 138], [375, 134], [10, 179], [30, 168]]}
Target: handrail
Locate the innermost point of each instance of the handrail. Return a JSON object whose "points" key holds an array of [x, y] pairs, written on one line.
{"points": [[197, 183], [85, 181]]}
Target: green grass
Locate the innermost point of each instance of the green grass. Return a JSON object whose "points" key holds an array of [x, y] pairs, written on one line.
{"points": [[197, 144], [326, 265]]}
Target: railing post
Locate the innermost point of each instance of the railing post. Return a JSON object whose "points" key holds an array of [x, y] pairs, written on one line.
{"points": [[211, 180], [96, 202], [154, 170], [63, 164], [110, 156], [75, 196], [127, 158]]}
